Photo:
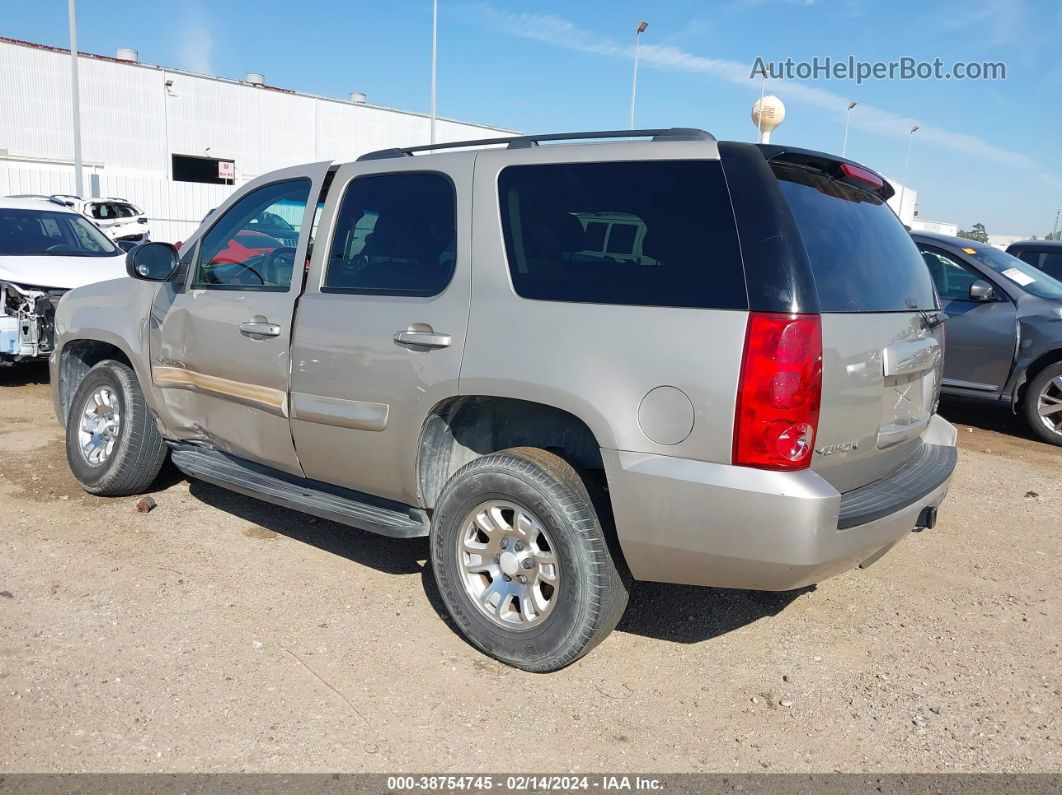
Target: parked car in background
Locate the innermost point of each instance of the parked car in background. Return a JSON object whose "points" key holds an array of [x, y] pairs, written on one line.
{"points": [[45, 249], [120, 219], [737, 391], [1045, 255], [1004, 329]]}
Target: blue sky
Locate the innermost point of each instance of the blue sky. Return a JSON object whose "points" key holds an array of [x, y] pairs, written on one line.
{"points": [[987, 151]]}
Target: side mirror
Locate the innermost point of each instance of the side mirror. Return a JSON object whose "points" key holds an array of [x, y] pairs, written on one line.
{"points": [[982, 291], [152, 262], [126, 245]]}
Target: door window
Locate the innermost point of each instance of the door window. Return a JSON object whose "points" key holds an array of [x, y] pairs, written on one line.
{"points": [[395, 235], [952, 278], [252, 246]]}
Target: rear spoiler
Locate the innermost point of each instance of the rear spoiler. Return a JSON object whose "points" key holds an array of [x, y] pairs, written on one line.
{"points": [[836, 167]]}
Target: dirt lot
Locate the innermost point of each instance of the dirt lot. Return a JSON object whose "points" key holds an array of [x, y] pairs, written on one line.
{"points": [[217, 633]]}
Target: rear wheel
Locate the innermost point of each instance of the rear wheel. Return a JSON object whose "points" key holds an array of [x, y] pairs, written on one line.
{"points": [[1043, 404], [522, 562], [112, 443]]}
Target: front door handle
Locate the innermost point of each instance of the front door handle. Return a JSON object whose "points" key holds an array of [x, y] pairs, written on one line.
{"points": [[423, 338], [260, 327]]}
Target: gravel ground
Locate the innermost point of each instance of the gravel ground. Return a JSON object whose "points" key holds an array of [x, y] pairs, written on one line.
{"points": [[220, 634]]}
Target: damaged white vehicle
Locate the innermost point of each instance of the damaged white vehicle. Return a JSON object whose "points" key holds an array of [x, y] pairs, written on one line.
{"points": [[45, 249]]}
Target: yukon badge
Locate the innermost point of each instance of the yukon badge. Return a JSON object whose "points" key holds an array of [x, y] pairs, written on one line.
{"points": [[830, 449]]}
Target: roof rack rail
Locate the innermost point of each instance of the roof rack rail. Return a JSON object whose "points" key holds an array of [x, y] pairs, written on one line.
{"points": [[42, 197], [527, 141]]}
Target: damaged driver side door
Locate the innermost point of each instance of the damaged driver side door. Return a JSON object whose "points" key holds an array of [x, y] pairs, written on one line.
{"points": [[220, 343]]}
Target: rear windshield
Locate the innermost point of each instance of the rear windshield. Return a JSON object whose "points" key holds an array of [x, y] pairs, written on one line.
{"points": [[655, 233], [861, 255]]}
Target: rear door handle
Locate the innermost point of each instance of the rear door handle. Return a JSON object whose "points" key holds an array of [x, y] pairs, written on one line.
{"points": [[260, 328], [423, 339]]}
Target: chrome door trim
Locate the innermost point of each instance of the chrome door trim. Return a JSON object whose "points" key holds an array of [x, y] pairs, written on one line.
{"points": [[956, 383]]}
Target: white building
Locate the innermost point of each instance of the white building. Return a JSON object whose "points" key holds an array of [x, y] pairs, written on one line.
{"points": [[1002, 241], [904, 202], [939, 227], [166, 139]]}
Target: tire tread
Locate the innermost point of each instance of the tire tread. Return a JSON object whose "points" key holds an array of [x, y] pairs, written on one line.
{"points": [[560, 482], [141, 451], [1032, 394]]}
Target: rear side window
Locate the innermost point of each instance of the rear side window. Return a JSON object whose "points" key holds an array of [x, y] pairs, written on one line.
{"points": [[395, 235], [1025, 255], [653, 233], [861, 255], [1048, 261]]}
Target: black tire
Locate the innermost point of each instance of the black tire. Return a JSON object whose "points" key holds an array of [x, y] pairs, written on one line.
{"points": [[592, 594], [138, 452], [1032, 402]]}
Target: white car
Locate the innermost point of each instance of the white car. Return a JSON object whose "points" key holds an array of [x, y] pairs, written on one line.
{"points": [[45, 249], [118, 218]]}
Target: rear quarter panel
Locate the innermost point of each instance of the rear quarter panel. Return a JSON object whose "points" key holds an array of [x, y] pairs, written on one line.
{"points": [[597, 361]]}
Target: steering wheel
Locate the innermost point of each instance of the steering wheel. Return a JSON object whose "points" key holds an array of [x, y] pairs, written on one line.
{"points": [[277, 259], [243, 267]]}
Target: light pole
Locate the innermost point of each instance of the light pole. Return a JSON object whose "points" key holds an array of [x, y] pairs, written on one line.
{"points": [[906, 167], [847, 120], [634, 81], [1058, 214], [75, 96], [434, 59], [763, 93]]}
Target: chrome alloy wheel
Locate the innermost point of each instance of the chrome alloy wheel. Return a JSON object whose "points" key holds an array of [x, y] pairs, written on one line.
{"points": [[1049, 405], [101, 422], [508, 564]]}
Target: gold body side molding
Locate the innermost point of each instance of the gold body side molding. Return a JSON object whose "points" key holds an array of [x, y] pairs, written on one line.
{"points": [[275, 401]]}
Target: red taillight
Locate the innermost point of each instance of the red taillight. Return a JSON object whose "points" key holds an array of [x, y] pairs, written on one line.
{"points": [[862, 174], [779, 392]]}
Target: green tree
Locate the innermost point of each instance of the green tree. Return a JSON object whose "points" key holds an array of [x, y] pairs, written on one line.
{"points": [[1053, 236], [978, 233]]}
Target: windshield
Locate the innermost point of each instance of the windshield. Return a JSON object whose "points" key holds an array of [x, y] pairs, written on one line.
{"points": [[47, 233], [861, 255], [1030, 279]]}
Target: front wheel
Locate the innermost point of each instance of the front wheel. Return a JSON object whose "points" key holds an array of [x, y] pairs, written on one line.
{"points": [[1043, 404], [113, 446], [522, 562]]}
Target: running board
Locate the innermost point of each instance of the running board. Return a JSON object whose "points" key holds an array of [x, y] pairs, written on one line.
{"points": [[334, 503]]}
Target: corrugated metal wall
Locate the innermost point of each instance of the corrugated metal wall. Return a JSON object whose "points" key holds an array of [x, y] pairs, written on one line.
{"points": [[132, 121]]}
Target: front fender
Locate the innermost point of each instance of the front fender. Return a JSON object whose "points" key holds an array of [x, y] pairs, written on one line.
{"points": [[1040, 335], [114, 313]]}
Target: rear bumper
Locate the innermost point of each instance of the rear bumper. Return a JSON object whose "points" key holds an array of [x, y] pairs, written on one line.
{"points": [[698, 523]]}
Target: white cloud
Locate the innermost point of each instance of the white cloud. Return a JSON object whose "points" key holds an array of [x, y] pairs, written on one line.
{"points": [[195, 43], [560, 32], [1005, 23]]}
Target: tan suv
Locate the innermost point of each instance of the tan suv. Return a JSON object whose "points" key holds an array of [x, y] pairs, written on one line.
{"points": [[733, 384]]}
